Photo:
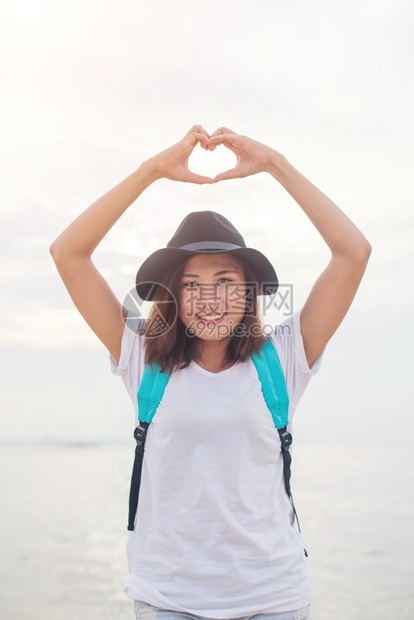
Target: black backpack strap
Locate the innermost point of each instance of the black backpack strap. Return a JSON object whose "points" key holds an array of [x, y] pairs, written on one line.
{"points": [[286, 442], [140, 434], [149, 396]]}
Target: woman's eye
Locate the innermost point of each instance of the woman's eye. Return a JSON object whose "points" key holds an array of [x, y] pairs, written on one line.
{"points": [[193, 283]]}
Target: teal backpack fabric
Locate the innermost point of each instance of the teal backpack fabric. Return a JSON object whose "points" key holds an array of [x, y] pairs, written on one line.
{"points": [[274, 390], [268, 368], [273, 383]]}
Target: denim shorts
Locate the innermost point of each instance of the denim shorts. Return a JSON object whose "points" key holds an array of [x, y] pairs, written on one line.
{"points": [[144, 611]]}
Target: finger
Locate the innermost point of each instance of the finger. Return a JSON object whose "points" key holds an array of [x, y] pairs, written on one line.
{"points": [[198, 129], [229, 145], [222, 130], [200, 137], [203, 131], [198, 179], [224, 137], [233, 173]]}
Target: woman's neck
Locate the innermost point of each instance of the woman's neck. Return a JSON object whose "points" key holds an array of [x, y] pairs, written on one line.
{"points": [[211, 355]]}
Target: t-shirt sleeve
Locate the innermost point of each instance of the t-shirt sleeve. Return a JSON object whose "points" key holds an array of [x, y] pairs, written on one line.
{"points": [[288, 341], [132, 358]]}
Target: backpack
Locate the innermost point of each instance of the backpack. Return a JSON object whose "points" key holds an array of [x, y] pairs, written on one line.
{"points": [[274, 390]]}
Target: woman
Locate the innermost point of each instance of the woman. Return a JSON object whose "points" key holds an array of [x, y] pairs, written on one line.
{"points": [[214, 533]]}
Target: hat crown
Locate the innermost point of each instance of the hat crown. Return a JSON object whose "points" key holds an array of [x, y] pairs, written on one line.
{"points": [[203, 232], [205, 226]]}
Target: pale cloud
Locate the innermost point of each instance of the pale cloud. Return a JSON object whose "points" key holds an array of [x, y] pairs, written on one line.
{"points": [[92, 88], [47, 328]]}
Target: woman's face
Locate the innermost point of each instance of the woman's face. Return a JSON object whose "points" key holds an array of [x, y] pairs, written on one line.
{"points": [[212, 298]]}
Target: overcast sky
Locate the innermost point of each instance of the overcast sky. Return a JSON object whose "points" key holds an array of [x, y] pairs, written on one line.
{"points": [[92, 88]]}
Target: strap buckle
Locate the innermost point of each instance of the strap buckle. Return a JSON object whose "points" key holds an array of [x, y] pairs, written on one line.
{"points": [[285, 438], [140, 434]]}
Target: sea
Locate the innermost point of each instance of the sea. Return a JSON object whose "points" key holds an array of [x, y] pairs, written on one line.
{"points": [[64, 514]]}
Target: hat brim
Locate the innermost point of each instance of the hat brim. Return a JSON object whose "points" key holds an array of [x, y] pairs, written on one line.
{"points": [[152, 270]]}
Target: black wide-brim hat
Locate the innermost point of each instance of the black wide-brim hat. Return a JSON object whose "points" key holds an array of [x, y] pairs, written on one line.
{"points": [[204, 232]]}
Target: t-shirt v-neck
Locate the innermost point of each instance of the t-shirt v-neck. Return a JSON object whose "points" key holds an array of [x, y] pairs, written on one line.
{"points": [[209, 373]]}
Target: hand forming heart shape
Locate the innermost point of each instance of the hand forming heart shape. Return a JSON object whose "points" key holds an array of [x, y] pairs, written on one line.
{"points": [[251, 157]]}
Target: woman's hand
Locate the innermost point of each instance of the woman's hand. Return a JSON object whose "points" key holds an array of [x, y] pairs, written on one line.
{"points": [[173, 162], [252, 156]]}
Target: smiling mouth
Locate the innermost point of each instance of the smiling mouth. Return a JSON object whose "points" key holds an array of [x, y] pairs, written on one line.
{"points": [[211, 318]]}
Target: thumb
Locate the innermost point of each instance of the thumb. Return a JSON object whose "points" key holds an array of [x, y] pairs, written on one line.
{"points": [[233, 173], [199, 179]]}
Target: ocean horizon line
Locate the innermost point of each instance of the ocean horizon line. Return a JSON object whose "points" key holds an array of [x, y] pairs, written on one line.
{"points": [[65, 442]]}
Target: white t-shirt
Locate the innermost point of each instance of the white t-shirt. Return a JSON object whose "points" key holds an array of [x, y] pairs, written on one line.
{"points": [[215, 533]]}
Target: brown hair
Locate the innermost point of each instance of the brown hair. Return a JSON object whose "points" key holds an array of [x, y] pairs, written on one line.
{"points": [[173, 348]]}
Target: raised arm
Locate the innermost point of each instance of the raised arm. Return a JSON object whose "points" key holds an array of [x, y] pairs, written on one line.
{"points": [[73, 249], [334, 290]]}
